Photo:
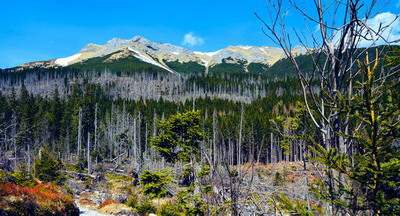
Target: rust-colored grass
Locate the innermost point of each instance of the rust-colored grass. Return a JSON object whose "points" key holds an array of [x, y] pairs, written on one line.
{"points": [[44, 192], [43, 195]]}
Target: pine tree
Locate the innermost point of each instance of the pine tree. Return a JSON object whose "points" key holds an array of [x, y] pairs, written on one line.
{"points": [[47, 167], [179, 137]]}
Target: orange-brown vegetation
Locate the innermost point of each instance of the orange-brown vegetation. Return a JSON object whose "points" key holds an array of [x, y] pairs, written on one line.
{"points": [[47, 198], [45, 192]]}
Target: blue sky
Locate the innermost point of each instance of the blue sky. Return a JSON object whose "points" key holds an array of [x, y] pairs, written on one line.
{"points": [[45, 29]]}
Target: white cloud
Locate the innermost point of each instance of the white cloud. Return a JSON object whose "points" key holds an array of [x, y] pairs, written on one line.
{"points": [[391, 33], [190, 39], [386, 23]]}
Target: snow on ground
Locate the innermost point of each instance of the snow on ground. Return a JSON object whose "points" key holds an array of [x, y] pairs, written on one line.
{"points": [[66, 61]]}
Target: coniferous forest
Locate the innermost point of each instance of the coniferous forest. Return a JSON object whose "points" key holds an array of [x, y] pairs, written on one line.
{"points": [[128, 133]]}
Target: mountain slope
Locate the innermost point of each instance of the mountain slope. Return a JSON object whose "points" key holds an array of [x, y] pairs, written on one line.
{"points": [[126, 61]]}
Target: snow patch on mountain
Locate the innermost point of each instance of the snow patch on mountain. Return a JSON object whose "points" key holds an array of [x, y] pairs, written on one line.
{"points": [[149, 59], [66, 61]]}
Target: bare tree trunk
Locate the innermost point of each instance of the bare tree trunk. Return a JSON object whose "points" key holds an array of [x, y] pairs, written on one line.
{"points": [[260, 149], [135, 153], [273, 151], [29, 158], [239, 162], [14, 140], [95, 130], [89, 162], [139, 138], [79, 133], [154, 124], [214, 148]]}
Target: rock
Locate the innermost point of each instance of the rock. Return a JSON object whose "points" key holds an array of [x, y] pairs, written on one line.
{"points": [[120, 197], [76, 186]]}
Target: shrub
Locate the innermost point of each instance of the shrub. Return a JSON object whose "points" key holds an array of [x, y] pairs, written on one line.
{"points": [[21, 176], [190, 204], [154, 183], [133, 200], [116, 177], [205, 171], [284, 204], [169, 209], [187, 176], [3, 176], [278, 179], [48, 168], [146, 207]]}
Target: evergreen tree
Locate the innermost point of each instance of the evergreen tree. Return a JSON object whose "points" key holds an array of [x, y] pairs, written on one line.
{"points": [[47, 167], [180, 137]]}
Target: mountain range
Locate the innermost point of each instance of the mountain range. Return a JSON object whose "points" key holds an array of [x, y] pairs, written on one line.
{"points": [[165, 56], [138, 68]]}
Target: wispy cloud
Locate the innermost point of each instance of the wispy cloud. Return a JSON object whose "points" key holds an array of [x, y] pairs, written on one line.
{"points": [[190, 39]]}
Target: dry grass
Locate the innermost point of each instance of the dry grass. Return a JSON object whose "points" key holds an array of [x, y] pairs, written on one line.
{"points": [[118, 183], [86, 202], [292, 171], [107, 202], [116, 209]]}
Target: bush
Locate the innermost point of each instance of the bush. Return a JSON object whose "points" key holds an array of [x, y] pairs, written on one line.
{"points": [[154, 183], [169, 209], [3, 176], [205, 171], [133, 200], [21, 176], [187, 176], [190, 204], [48, 168], [279, 179], [146, 207]]}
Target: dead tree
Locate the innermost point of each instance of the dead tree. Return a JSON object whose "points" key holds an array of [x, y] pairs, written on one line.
{"points": [[89, 162], [95, 130], [79, 133]]}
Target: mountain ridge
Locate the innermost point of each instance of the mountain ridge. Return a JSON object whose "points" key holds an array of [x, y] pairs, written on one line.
{"points": [[160, 54]]}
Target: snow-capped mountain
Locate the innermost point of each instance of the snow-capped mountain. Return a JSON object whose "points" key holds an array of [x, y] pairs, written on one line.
{"points": [[160, 54]]}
